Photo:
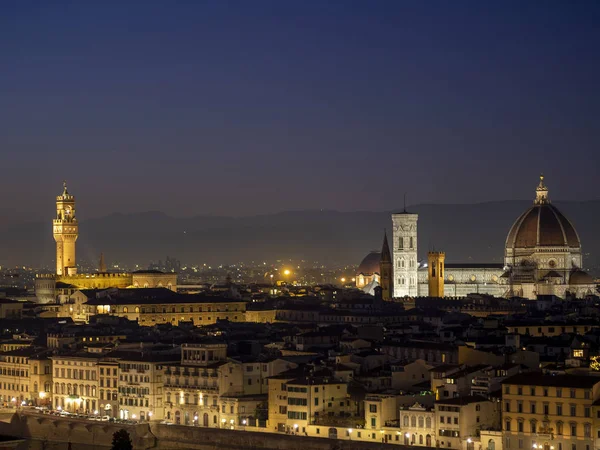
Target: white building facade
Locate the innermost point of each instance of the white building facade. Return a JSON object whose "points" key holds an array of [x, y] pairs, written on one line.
{"points": [[404, 254]]}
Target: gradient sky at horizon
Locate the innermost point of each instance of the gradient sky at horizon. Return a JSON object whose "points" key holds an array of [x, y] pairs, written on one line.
{"points": [[240, 108]]}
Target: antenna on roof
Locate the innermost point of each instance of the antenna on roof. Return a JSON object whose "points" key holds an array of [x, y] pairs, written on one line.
{"points": [[405, 202]]}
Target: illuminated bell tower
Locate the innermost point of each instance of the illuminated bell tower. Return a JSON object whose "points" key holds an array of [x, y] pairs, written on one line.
{"points": [[65, 231], [436, 273]]}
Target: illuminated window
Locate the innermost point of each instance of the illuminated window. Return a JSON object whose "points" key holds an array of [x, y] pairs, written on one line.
{"points": [[578, 353]]}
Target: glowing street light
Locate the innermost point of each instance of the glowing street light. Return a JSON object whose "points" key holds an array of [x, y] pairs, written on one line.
{"points": [[469, 440], [343, 280], [286, 272]]}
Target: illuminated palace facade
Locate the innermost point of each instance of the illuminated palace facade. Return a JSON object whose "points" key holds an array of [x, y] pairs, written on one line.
{"points": [[542, 256], [53, 288]]}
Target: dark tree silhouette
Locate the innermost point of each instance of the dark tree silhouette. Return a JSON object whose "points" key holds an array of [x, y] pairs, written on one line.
{"points": [[121, 440]]}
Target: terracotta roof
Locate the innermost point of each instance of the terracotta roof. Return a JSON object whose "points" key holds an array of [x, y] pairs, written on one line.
{"points": [[542, 225]]}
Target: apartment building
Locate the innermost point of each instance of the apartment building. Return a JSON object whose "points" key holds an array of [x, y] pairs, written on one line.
{"points": [[25, 377], [318, 400], [549, 412], [194, 385], [108, 387], [141, 391], [76, 382], [459, 420]]}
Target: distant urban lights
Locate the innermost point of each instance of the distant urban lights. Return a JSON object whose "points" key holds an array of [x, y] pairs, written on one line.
{"points": [[343, 280]]}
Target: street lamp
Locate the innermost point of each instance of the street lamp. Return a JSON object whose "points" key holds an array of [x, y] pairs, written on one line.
{"points": [[350, 433], [295, 428]]}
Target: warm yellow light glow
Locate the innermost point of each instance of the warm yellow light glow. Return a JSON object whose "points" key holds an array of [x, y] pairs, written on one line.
{"points": [[286, 272], [343, 280], [42, 394]]}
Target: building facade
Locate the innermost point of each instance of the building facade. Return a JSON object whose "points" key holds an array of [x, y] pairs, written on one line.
{"points": [[549, 412], [404, 254]]}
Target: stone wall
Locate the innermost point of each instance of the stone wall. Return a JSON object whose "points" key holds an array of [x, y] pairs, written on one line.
{"points": [[166, 437], [57, 429]]}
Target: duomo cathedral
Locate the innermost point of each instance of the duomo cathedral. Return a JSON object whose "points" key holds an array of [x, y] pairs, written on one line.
{"points": [[542, 256]]}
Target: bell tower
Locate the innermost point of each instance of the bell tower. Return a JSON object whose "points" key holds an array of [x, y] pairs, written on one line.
{"points": [[66, 231], [385, 270], [436, 270]]}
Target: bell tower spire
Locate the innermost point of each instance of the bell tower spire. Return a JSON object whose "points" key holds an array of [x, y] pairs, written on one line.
{"points": [[66, 231]]}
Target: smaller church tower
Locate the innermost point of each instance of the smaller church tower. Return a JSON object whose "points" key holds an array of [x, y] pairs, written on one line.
{"points": [[435, 262], [385, 270], [102, 265]]}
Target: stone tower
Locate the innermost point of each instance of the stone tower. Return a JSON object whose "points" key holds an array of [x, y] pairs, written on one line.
{"points": [[385, 270], [65, 231], [435, 264], [404, 250]]}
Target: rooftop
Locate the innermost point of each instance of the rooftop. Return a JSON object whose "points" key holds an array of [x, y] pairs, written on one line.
{"points": [[540, 379]]}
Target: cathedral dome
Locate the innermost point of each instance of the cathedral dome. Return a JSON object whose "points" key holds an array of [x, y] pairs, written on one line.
{"points": [[370, 264], [542, 225]]}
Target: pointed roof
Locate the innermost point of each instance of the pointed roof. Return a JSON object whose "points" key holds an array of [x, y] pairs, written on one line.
{"points": [[385, 249], [102, 265]]}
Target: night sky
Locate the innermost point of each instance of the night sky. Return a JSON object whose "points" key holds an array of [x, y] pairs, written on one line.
{"points": [[247, 107]]}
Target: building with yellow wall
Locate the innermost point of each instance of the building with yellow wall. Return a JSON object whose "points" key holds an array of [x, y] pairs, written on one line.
{"points": [[141, 388], [158, 306], [25, 377], [75, 381], [549, 412]]}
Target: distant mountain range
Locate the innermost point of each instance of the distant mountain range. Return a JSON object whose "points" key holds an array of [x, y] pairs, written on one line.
{"points": [[467, 233]]}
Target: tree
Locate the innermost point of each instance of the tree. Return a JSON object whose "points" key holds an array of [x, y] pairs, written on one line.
{"points": [[121, 440]]}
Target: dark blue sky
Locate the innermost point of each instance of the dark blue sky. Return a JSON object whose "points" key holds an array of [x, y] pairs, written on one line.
{"points": [[244, 107]]}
